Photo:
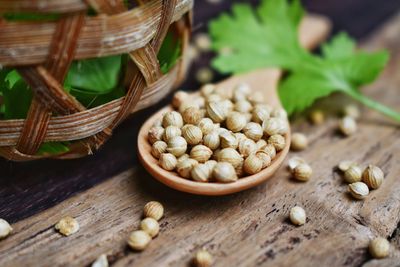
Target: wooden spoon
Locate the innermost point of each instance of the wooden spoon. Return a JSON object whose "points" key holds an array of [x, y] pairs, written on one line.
{"points": [[312, 31]]}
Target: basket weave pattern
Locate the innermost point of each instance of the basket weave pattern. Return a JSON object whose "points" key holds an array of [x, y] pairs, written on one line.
{"points": [[42, 54]]}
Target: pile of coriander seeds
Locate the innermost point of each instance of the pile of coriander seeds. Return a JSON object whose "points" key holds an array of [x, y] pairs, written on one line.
{"points": [[218, 136]]}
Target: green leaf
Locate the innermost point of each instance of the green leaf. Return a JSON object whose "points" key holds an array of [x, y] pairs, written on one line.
{"points": [[169, 53], [16, 96], [97, 75], [30, 16], [53, 148], [268, 37]]}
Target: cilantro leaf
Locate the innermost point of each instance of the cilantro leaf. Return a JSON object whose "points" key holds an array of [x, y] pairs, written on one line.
{"points": [[268, 38], [169, 53]]}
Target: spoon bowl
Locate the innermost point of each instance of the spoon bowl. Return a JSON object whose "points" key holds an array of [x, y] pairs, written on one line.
{"points": [[312, 31]]}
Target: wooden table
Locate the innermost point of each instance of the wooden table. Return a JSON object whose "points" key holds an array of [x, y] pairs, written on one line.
{"points": [[106, 193]]}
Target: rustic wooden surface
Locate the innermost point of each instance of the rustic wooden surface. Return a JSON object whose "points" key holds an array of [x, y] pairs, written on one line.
{"points": [[249, 228]]}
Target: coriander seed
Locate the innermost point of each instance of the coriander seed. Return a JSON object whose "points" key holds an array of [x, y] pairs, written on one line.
{"points": [[359, 190], [260, 114], [201, 153], [203, 259], [192, 115], [347, 125], [351, 111], [302, 172], [207, 90], [297, 215], [153, 209], [155, 134], [317, 117], [101, 261], [224, 172], [177, 146], [172, 118], [293, 162], [373, 176], [252, 164], [345, 165], [206, 125], [270, 150], [158, 148], [243, 106], [178, 98], [228, 140], [231, 156], [150, 226], [167, 161], [352, 174], [253, 131], [192, 134], [299, 141], [67, 226], [171, 131], [212, 140], [246, 147], [278, 141], [261, 144], [5, 229], [379, 248], [184, 167], [200, 173], [265, 158], [139, 240], [236, 121], [216, 111]]}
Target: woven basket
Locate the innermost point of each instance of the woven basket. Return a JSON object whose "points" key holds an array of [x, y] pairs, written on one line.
{"points": [[42, 53]]}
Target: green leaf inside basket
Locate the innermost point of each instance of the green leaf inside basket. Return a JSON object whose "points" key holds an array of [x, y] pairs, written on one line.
{"points": [[92, 82]]}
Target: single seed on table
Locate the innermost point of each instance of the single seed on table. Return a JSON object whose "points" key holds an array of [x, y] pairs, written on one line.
{"points": [[243, 106], [231, 156], [177, 146], [299, 141], [253, 131], [261, 144], [351, 111], [200, 173], [379, 248], [67, 226], [202, 259], [150, 226], [171, 131], [347, 126], [252, 164], [204, 75], [216, 111], [352, 174], [278, 141], [178, 98], [192, 134], [224, 172], [297, 215], [192, 115], [302, 172], [158, 148], [317, 117], [101, 261], [167, 161], [5, 228], [184, 167], [236, 121], [265, 158], [139, 240], [373, 176], [153, 209], [212, 140], [246, 147], [206, 125], [359, 190], [201, 153], [172, 118], [270, 150], [294, 161], [228, 140], [345, 165], [155, 134], [260, 114], [202, 41]]}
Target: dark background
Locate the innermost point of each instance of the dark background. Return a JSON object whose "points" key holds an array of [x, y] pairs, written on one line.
{"points": [[27, 188]]}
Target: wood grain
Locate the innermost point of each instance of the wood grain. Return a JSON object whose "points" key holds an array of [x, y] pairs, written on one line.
{"points": [[249, 228]]}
